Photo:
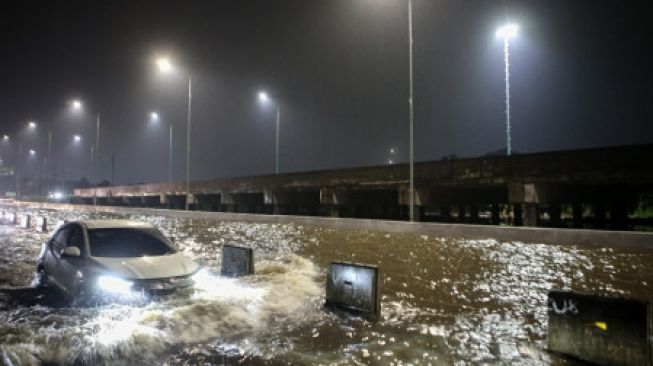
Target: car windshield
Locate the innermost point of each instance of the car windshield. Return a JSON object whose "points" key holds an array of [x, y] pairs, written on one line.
{"points": [[128, 242]]}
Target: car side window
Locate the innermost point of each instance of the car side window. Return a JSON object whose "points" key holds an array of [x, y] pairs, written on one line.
{"points": [[76, 238], [59, 241], [61, 236]]}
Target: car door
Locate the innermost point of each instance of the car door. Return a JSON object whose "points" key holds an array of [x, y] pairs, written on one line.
{"points": [[53, 254], [69, 267]]}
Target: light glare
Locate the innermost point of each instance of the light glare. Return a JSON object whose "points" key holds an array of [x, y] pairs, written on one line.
{"points": [[31, 124], [32, 152], [154, 116], [164, 64], [77, 138], [508, 31], [76, 104], [114, 284], [263, 97]]}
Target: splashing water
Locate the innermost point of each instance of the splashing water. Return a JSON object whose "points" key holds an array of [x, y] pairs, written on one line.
{"points": [[444, 300]]}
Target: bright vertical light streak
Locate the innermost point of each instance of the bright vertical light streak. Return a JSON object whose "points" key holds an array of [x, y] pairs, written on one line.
{"points": [[506, 33]]}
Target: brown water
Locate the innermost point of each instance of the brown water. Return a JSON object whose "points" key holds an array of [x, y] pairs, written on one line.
{"points": [[445, 301]]}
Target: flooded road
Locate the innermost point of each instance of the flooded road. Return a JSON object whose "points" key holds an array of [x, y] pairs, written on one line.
{"points": [[445, 301]]}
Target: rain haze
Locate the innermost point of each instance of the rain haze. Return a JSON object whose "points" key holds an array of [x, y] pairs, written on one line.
{"points": [[338, 70], [332, 182]]}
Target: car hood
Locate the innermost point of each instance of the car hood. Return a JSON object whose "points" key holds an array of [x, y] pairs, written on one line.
{"points": [[144, 268]]}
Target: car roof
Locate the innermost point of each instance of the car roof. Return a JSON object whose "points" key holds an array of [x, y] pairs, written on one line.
{"points": [[113, 224]]}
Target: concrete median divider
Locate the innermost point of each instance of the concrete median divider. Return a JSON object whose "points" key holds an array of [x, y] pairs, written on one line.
{"points": [[555, 236]]}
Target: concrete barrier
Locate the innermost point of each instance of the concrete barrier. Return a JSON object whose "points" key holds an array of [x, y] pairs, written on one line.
{"points": [[237, 261], [602, 330], [353, 287], [41, 224], [26, 221], [600, 238]]}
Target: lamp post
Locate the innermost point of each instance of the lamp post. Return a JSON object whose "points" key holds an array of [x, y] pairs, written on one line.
{"points": [[264, 98], [154, 117], [77, 105], [165, 66], [506, 33], [411, 111]]}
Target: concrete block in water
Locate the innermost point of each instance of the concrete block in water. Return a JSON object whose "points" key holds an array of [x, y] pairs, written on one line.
{"points": [[237, 261], [41, 224], [353, 287], [26, 221], [601, 330]]}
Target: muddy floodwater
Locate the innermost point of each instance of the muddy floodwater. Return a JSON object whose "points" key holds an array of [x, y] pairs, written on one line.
{"points": [[445, 301]]}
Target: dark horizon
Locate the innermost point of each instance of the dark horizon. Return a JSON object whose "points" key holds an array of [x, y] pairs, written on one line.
{"points": [[579, 74]]}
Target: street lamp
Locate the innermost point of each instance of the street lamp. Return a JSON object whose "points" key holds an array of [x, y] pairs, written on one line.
{"points": [[165, 66], [411, 106], [77, 138], [31, 125], [506, 33], [77, 105], [264, 98], [32, 152], [154, 117], [5, 138]]}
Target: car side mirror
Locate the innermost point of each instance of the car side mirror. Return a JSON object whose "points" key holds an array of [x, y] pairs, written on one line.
{"points": [[71, 252]]}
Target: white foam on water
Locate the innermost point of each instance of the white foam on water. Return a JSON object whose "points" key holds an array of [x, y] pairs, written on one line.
{"points": [[223, 309]]}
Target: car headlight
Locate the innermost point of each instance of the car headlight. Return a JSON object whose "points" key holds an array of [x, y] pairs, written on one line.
{"points": [[114, 284], [200, 275]]}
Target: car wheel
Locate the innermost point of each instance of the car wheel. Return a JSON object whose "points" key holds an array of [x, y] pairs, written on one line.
{"points": [[41, 279]]}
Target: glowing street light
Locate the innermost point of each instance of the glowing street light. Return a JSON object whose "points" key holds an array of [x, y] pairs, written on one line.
{"points": [[5, 138], [76, 104], [31, 125], [77, 138], [506, 33], [165, 66], [154, 117], [32, 152], [264, 98]]}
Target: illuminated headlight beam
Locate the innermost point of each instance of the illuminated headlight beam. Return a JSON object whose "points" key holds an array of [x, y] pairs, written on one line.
{"points": [[114, 284]]}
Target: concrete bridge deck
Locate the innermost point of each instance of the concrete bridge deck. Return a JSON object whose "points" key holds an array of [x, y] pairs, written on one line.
{"points": [[596, 187]]}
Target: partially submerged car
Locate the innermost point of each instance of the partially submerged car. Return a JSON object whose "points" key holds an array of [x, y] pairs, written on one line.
{"points": [[113, 256]]}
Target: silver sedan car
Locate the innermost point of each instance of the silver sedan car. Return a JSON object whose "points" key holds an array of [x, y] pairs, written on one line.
{"points": [[112, 257]]}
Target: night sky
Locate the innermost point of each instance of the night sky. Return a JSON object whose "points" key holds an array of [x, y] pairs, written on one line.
{"points": [[581, 77]]}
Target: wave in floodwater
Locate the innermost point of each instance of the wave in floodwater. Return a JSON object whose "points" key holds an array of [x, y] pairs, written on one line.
{"points": [[444, 300]]}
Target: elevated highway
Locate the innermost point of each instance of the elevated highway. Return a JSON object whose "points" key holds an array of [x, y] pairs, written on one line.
{"points": [[590, 187]]}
